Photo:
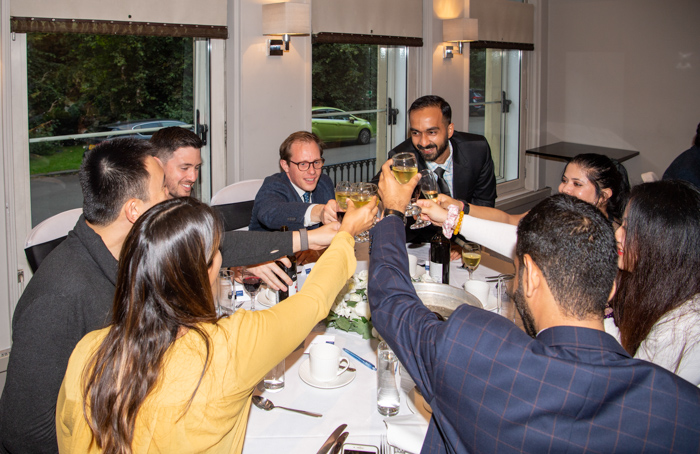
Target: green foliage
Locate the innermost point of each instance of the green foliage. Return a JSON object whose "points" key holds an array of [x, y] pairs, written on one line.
{"points": [[477, 69], [76, 82], [345, 76], [361, 326], [60, 158]]}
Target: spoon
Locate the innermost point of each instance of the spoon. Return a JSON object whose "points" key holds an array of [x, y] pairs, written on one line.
{"points": [[267, 405]]}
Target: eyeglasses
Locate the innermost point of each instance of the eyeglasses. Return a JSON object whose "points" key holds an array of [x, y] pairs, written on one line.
{"points": [[304, 165]]}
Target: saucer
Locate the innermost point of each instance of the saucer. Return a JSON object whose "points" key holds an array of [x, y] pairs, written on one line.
{"points": [[266, 297], [341, 380]]}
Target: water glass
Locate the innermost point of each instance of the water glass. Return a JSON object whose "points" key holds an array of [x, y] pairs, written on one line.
{"points": [[274, 380], [387, 381], [225, 293]]}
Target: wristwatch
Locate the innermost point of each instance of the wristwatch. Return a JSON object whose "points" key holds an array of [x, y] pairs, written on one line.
{"points": [[398, 214]]}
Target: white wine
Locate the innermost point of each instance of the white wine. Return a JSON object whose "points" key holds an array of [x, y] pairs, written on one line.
{"points": [[430, 194], [360, 200], [342, 199], [404, 174], [471, 259]]}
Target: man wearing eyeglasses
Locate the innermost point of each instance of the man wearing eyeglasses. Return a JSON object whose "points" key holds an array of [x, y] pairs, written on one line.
{"points": [[301, 196]]}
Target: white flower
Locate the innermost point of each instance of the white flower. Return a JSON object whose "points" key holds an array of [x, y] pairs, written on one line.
{"points": [[363, 275], [362, 309], [355, 298]]}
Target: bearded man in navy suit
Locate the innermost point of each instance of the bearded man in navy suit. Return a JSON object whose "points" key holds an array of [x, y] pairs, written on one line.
{"points": [[562, 384]]}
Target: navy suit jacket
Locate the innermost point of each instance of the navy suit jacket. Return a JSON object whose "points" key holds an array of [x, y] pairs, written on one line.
{"points": [[277, 203], [493, 388], [473, 178]]}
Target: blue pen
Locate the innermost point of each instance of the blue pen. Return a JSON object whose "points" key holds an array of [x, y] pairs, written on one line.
{"points": [[361, 360]]}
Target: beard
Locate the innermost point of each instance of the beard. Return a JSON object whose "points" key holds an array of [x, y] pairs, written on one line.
{"points": [[425, 151], [524, 311]]}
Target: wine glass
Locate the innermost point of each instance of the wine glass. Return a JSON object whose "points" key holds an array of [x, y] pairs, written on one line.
{"points": [[251, 285], [404, 168], [361, 194], [471, 256], [428, 185], [225, 293], [342, 192]]}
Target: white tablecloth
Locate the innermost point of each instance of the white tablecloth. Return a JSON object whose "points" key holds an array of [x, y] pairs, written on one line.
{"points": [[280, 431]]}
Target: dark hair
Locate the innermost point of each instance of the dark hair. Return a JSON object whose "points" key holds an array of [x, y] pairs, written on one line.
{"points": [[110, 174], [573, 244], [299, 136], [696, 142], [606, 173], [661, 257], [162, 285], [168, 140], [433, 101]]}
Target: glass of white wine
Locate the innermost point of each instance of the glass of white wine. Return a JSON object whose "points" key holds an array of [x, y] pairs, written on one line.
{"points": [[342, 192], [361, 194], [404, 168], [429, 187], [471, 256]]}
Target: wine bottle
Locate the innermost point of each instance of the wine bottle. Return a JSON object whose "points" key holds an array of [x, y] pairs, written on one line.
{"points": [[440, 258], [291, 272]]}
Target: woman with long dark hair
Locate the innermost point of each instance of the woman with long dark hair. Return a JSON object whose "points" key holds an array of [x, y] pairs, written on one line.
{"points": [[657, 303], [167, 375], [593, 178]]}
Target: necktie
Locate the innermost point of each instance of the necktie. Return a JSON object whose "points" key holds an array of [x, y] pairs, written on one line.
{"points": [[307, 197], [442, 184]]}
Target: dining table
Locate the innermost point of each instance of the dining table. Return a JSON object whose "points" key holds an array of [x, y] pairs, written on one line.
{"points": [[354, 403]]}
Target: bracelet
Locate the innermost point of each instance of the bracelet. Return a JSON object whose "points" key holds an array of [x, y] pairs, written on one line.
{"points": [[449, 224], [303, 239], [459, 223]]}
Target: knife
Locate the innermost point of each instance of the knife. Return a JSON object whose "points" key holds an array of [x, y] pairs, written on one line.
{"points": [[339, 444], [328, 444]]}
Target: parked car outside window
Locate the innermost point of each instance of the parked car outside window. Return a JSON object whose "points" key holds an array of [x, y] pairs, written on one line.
{"points": [[337, 125]]}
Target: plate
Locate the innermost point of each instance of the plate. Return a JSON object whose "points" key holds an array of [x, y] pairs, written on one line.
{"points": [[341, 380], [417, 404], [267, 297]]}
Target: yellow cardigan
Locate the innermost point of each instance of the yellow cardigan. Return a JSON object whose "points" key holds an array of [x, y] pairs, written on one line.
{"points": [[246, 346]]}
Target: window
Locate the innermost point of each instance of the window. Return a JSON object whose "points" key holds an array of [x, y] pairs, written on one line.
{"points": [[355, 88], [83, 89], [494, 108]]}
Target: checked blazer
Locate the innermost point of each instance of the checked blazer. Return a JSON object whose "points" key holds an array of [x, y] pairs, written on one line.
{"points": [[494, 389]]}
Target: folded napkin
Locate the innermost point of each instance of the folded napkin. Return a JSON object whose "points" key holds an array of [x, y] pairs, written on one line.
{"points": [[406, 432]]}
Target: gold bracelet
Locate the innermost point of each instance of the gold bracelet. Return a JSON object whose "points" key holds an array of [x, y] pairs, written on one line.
{"points": [[459, 222]]}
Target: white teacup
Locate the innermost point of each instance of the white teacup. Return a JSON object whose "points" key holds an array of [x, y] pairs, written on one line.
{"points": [[325, 362], [480, 289]]}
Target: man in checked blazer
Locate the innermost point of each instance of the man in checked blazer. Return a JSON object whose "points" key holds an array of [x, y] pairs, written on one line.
{"points": [[564, 385]]}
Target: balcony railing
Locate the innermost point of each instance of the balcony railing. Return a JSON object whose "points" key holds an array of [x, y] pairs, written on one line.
{"points": [[353, 171]]}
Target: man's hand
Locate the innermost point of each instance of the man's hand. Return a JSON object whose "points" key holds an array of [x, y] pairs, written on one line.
{"points": [[358, 220], [394, 195], [273, 275], [325, 214], [321, 237], [455, 252], [431, 211]]}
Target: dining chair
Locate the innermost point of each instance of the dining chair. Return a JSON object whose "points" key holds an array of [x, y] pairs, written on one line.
{"points": [[47, 235], [234, 203], [649, 177]]}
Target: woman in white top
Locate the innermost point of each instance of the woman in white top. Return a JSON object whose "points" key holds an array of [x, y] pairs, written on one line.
{"points": [[657, 304]]}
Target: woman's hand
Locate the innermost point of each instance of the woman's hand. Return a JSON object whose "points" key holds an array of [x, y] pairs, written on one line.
{"points": [[357, 220], [445, 201], [431, 211]]}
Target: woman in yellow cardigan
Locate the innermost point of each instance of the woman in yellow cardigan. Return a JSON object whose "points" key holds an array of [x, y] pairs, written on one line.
{"points": [[167, 375]]}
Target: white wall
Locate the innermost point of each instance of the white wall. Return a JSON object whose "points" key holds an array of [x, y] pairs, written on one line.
{"points": [[623, 74], [268, 98]]}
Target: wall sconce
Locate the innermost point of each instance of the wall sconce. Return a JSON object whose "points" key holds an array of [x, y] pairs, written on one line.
{"points": [[285, 19], [461, 30]]}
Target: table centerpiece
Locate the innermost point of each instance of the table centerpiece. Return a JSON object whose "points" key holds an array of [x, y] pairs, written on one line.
{"points": [[350, 312]]}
